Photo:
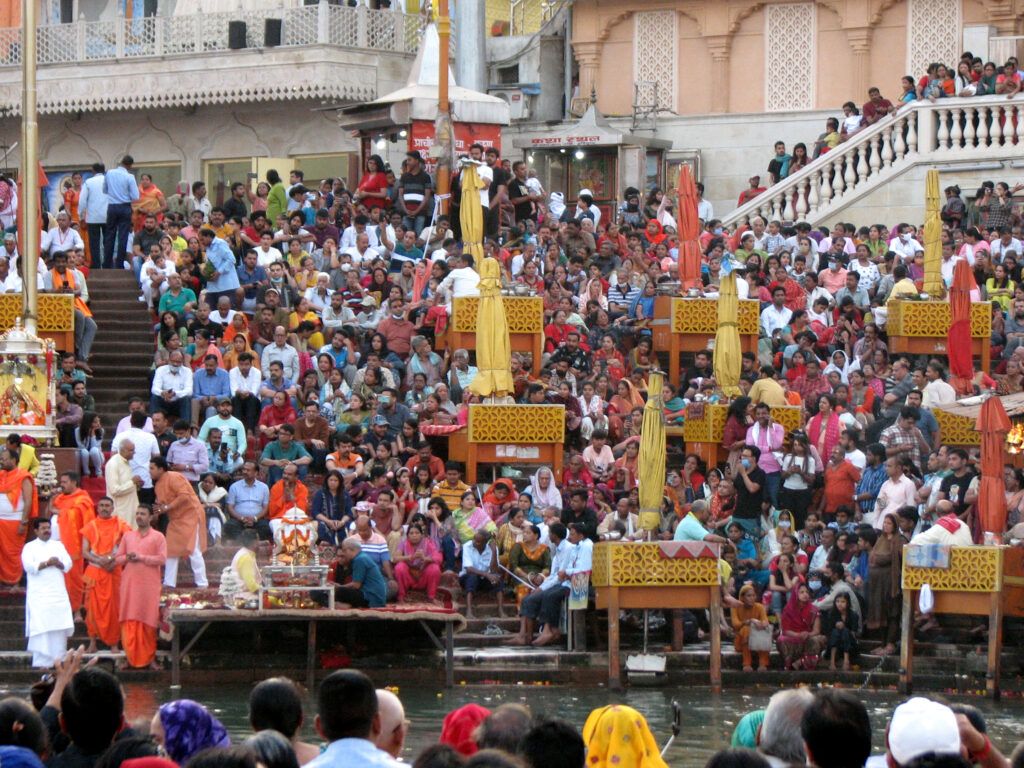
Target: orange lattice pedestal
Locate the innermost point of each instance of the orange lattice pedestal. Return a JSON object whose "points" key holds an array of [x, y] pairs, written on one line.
{"points": [[956, 422], [514, 434], [523, 314], [689, 325], [704, 436], [921, 327], [979, 581], [655, 576]]}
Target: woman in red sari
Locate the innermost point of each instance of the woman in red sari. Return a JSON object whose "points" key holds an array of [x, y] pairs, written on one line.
{"points": [[556, 331], [801, 640], [372, 189], [274, 416], [824, 429], [151, 202]]}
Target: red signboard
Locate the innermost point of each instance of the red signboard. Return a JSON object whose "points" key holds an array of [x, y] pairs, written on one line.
{"points": [[421, 137]]}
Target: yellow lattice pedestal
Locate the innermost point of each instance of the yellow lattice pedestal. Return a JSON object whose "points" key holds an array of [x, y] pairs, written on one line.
{"points": [[704, 436], [690, 325], [921, 328], [632, 575], [55, 317], [515, 434], [980, 581], [524, 315]]}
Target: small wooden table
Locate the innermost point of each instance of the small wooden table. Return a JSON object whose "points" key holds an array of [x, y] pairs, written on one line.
{"points": [[524, 316], [205, 618], [643, 575], [514, 434], [690, 325], [921, 328], [980, 581]]}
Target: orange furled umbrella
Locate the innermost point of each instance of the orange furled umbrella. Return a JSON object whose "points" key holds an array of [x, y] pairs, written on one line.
{"points": [[993, 424], [689, 230], [958, 338]]}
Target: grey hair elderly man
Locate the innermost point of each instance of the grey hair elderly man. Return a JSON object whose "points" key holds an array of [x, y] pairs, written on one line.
{"points": [[393, 725], [781, 741], [691, 527]]}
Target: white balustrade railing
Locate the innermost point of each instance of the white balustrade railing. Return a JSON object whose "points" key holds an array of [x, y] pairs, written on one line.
{"points": [[922, 131], [322, 24]]}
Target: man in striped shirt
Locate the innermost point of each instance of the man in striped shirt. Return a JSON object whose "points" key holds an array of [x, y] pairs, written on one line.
{"points": [[415, 188]]}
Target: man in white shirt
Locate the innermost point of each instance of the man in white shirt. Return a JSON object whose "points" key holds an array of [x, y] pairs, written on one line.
{"points": [[172, 390], [776, 315], [854, 455], [92, 211], [463, 280], [898, 491], [245, 382], [1005, 242], [63, 237], [13, 283], [48, 619], [146, 447], [363, 251], [579, 559], [905, 246], [937, 391], [266, 253], [281, 352], [705, 211], [360, 226]]}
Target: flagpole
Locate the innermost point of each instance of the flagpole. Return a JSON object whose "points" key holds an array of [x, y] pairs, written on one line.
{"points": [[29, 236], [444, 170]]}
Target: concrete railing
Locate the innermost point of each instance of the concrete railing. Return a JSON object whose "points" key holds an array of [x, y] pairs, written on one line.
{"points": [[948, 130], [197, 34]]}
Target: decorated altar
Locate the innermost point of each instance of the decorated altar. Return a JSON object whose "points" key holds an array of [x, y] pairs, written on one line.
{"points": [[28, 385]]}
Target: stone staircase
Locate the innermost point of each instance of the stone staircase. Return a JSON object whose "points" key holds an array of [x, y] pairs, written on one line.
{"points": [[955, 135], [123, 351]]}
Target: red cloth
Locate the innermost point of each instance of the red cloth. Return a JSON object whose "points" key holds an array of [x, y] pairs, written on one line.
{"points": [[958, 338], [459, 724], [993, 424]]}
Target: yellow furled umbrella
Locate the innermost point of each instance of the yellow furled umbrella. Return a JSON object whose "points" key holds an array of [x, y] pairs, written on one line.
{"points": [[932, 237], [493, 349], [471, 215], [651, 461], [727, 356]]}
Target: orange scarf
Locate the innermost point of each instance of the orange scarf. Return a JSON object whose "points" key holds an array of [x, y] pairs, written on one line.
{"points": [[68, 280], [10, 484]]}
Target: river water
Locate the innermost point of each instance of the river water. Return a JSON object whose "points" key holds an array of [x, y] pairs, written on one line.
{"points": [[708, 719]]}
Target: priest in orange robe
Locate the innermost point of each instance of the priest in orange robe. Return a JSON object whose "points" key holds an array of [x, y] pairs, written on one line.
{"points": [[74, 509], [18, 504], [286, 493], [186, 522], [100, 540], [141, 553]]}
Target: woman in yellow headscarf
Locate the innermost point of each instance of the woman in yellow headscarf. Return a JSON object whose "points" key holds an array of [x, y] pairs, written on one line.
{"points": [[619, 736]]}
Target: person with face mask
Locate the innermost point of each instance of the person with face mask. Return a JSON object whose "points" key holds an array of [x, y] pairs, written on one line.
{"points": [[397, 329], [630, 212], [186, 454]]}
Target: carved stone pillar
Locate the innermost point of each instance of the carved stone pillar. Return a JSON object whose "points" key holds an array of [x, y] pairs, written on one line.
{"points": [[860, 46], [588, 55], [719, 48]]}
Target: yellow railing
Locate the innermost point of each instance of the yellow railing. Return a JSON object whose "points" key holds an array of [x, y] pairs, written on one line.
{"points": [[618, 564], [956, 430], [931, 319], [709, 429], [524, 314], [971, 569], [56, 311], [517, 424], [701, 316]]}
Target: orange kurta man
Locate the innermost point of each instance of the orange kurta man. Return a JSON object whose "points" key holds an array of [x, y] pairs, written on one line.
{"points": [[141, 554], [101, 538], [74, 510]]}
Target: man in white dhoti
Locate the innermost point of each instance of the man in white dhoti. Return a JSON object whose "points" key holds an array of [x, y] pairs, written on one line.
{"points": [[48, 620]]}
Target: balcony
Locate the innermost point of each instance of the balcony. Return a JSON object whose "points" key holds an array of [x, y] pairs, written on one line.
{"points": [[324, 52]]}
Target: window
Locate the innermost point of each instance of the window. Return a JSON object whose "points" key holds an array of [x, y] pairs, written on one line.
{"points": [[220, 174]]}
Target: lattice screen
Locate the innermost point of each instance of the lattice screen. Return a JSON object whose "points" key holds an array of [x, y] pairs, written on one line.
{"points": [[934, 33], [789, 41], [654, 53]]}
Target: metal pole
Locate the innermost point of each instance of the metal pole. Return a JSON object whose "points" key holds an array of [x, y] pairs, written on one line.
{"points": [[29, 166], [444, 137]]}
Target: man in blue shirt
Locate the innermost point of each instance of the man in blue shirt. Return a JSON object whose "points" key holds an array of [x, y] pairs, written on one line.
{"points": [[871, 478], [209, 385], [251, 277], [247, 504], [367, 589], [122, 190], [349, 719], [224, 279]]}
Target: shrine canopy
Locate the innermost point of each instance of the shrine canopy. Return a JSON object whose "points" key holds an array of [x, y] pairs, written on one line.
{"points": [[592, 130]]}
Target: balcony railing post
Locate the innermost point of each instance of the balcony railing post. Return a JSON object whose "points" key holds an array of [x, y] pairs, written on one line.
{"points": [[323, 22], [362, 27], [926, 138], [80, 47], [119, 35], [159, 23]]}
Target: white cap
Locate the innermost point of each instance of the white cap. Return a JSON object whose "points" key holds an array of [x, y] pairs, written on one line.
{"points": [[584, 191], [919, 726]]}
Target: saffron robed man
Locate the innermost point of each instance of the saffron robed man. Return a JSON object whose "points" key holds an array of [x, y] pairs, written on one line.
{"points": [[71, 510], [18, 503], [100, 540]]}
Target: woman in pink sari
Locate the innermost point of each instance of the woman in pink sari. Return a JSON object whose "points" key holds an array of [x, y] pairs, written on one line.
{"points": [[417, 564], [801, 640], [824, 429]]}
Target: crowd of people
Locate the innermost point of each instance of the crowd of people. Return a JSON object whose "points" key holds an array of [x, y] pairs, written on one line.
{"points": [[77, 720]]}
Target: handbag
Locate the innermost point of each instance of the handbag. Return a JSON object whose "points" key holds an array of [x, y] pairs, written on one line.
{"points": [[760, 639]]}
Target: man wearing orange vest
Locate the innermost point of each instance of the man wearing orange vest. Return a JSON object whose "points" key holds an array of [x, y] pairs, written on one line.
{"points": [[60, 279], [286, 493], [73, 509], [100, 540], [18, 504]]}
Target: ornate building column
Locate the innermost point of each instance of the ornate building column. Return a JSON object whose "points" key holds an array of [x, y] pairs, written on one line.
{"points": [[719, 48], [588, 55], [860, 46]]}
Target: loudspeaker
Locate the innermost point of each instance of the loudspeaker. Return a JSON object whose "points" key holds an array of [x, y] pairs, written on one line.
{"points": [[236, 35], [271, 32], [149, 8]]}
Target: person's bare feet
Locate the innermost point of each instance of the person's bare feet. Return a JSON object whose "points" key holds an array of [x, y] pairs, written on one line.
{"points": [[762, 669], [516, 640], [91, 647], [155, 665], [342, 606], [546, 638], [846, 665], [748, 669], [115, 648], [832, 666]]}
